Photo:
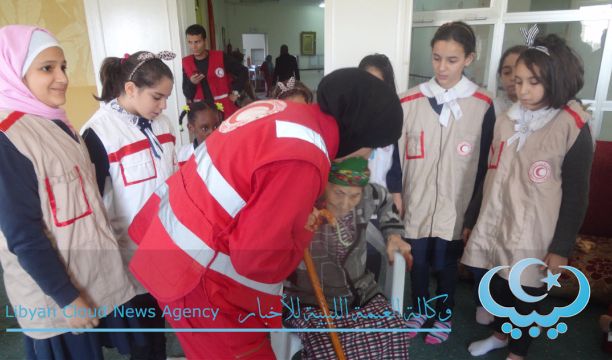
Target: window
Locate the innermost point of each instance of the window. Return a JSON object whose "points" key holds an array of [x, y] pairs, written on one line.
{"points": [[610, 89], [582, 23], [432, 5], [585, 37], [548, 5]]}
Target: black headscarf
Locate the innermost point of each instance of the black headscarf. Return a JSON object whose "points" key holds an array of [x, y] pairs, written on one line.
{"points": [[367, 110]]}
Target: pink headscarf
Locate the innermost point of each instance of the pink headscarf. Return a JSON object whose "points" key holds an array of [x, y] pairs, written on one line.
{"points": [[14, 94]]}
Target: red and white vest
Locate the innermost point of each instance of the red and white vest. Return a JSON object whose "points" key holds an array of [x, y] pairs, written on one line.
{"points": [[218, 81], [135, 172], [184, 153], [182, 230]]}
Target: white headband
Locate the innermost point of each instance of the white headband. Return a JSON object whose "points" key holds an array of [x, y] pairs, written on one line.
{"points": [[40, 41]]}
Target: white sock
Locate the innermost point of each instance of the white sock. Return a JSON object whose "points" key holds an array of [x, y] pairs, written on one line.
{"points": [[482, 347], [483, 317]]}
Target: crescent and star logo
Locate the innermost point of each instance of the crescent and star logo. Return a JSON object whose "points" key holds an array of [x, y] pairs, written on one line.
{"points": [[533, 320]]}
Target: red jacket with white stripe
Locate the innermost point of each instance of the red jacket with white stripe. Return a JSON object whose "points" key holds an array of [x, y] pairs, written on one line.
{"points": [[206, 220], [218, 81]]}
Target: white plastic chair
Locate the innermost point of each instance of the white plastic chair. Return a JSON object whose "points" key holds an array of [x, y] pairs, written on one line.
{"points": [[391, 278]]}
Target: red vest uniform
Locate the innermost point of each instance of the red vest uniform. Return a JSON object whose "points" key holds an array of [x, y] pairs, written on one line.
{"points": [[218, 81], [182, 230]]}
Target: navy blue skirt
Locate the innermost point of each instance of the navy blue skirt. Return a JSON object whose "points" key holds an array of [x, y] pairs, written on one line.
{"points": [[69, 346]]}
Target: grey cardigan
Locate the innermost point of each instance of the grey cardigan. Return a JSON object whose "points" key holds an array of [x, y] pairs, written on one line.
{"points": [[350, 279]]}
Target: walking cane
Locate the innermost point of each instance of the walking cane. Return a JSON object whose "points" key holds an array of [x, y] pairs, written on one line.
{"points": [[316, 285]]}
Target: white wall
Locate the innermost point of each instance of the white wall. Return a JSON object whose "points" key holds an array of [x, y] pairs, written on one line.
{"points": [[355, 28], [186, 17], [281, 21], [117, 27], [219, 10]]}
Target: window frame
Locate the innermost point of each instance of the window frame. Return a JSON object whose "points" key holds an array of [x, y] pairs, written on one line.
{"points": [[498, 16]]}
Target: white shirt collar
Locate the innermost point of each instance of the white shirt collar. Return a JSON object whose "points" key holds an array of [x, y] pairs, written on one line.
{"points": [[528, 121], [116, 108], [448, 97]]}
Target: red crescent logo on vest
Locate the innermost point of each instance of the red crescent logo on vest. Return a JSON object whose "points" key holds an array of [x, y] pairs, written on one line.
{"points": [[540, 171], [252, 112], [464, 148], [219, 72]]}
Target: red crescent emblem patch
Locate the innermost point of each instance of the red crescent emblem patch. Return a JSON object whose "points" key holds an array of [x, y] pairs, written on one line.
{"points": [[540, 171], [252, 112], [464, 148]]}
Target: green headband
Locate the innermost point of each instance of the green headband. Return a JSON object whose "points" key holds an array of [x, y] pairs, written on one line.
{"points": [[350, 172]]}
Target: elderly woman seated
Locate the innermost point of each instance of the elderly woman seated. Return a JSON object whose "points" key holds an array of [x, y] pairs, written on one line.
{"points": [[339, 254]]}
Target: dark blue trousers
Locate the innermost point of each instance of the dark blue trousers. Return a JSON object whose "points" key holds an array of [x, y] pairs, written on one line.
{"points": [[440, 257]]}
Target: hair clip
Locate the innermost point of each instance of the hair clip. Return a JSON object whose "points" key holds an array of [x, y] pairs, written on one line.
{"points": [[125, 58], [219, 106], [529, 37], [284, 88], [186, 108]]}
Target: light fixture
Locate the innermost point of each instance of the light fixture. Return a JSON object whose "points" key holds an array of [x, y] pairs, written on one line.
{"points": [[322, 4]]}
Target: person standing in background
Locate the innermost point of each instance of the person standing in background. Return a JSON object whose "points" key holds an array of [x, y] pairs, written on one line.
{"points": [[267, 69], [286, 66], [505, 71], [205, 73]]}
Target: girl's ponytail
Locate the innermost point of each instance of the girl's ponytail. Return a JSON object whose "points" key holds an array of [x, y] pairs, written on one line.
{"points": [[111, 79], [186, 110]]}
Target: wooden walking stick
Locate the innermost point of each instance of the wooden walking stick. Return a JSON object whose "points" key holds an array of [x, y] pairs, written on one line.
{"points": [[316, 285]]}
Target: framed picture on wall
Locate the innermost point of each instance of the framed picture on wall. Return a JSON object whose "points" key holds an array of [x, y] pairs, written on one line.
{"points": [[308, 42]]}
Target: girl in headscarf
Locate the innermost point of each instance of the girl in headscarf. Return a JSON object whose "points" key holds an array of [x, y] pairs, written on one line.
{"points": [[58, 253], [339, 251]]}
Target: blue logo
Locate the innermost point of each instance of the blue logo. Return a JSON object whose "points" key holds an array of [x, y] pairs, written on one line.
{"points": [[534, 320]]}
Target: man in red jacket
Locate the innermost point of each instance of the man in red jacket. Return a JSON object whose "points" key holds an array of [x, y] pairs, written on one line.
{"points": [[229, 227], [209, 75]]}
